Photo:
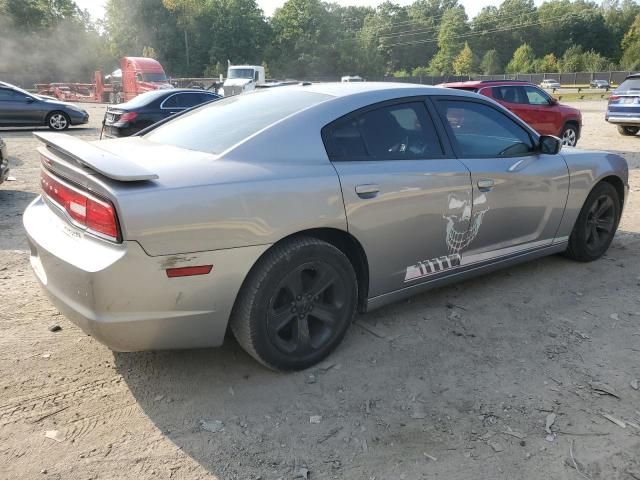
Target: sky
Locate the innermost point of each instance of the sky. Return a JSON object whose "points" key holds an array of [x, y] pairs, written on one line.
{"points": [[96, 7]]}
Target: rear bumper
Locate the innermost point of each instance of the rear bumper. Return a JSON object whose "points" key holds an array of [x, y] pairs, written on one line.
{"points": [[123, 297], [623, 120]]}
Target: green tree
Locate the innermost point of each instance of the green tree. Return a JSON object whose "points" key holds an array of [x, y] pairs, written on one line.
{"points": [[523, 61], [463, 63], [572, 60], [548, 64], [491, 64], [450, 40], [592, 61], [631, 47]]}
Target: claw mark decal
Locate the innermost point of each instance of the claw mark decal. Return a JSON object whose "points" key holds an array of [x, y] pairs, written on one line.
{"points": [[464, 218], [429, 267]]}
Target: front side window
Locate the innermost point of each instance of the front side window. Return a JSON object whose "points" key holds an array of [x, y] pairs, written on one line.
{"points": [[481, 131], [536, 96], [7, 95], [401, 131]]}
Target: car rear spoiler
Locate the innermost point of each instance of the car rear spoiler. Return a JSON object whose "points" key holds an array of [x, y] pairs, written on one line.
{"points": [[94, 157]]}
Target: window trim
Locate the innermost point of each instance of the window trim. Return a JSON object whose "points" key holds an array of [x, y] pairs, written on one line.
{"points": [[429, 111], [534, 137]]}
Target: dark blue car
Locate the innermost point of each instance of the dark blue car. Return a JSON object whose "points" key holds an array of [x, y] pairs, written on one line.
{"points": [[624, 106], [129, 118]]}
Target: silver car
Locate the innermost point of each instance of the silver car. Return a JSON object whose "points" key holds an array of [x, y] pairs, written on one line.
{"points": [[280, 213]]}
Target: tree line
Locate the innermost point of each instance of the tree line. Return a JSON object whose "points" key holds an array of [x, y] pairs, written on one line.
{"points": [[312, 39]]}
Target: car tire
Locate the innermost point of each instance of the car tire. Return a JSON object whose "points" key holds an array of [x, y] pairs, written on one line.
{"points": [[58, 121], [596, 225], [628, 131], [296, 304], [569, 135]]}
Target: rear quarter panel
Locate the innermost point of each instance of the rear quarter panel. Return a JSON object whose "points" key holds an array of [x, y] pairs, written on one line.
{"points": [[586, 169]]}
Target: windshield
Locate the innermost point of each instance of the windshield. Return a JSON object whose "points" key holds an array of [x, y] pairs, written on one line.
{"points": [[241, 73], [630, 84], [154, 77], [220, 125]]}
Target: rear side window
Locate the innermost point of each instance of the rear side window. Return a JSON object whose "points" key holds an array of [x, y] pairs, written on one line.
{"points": [[510, 94], [401, 131], [481, 131], [220, 125]]}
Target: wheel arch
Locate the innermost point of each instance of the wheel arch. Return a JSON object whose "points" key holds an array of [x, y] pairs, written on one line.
{"points": [[343, 241], [617, 183]]}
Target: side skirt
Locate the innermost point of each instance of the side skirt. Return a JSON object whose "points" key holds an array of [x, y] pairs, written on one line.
{"points": [[464, 274]]}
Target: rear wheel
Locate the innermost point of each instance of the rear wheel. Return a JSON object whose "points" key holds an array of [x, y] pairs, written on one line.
{"points": [[58, 121], [296, 305], [596, 224], [627, 131], [569, 135]]}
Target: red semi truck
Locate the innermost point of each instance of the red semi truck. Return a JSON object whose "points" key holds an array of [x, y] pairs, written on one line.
{"points": [[137, 75]]}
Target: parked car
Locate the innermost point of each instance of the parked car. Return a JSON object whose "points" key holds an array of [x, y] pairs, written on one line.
{"points": [[148, 108], [550, 83], [4, 161], [599, 84], [533, 105], [623, 109], [320, 201], [19, 108]]}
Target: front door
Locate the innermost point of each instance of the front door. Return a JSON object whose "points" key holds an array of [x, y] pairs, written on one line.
{"points": [[407, 200], [519, 194]]}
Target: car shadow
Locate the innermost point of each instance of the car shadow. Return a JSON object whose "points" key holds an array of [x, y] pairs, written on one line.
{"points": [[214, 403], [12, 205]]}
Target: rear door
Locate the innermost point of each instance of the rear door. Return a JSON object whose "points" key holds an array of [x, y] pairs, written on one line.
{"points": [[408, 201], [519, 194]]}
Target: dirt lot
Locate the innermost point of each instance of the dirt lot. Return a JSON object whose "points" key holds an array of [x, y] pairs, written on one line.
{"points": [[458, 383]]}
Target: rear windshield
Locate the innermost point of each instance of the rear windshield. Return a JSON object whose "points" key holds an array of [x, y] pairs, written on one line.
{"points": [[629, 85], [220, 125], [143, 99]]}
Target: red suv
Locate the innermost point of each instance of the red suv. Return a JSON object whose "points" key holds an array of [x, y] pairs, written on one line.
{"points": [[532, 104]]}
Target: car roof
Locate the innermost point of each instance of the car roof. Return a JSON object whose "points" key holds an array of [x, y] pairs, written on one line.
{"points": [[484, 83], [390, 89], [633, 75]]}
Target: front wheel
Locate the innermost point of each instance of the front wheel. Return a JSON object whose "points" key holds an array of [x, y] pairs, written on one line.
{"points": [[58, 121], [627, 131], [296, 305], [569, 135], [596, 224]]}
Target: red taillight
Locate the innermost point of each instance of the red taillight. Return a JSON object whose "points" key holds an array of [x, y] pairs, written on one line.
{"points": [[614, 98], [95, 214], [128, 117]]}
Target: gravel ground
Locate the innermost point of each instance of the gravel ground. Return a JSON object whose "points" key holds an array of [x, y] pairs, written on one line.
{"points": [[457, 383]]}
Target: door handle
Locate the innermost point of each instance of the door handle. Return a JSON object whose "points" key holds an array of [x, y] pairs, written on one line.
{"points": [[368, 190], [485, 184]]}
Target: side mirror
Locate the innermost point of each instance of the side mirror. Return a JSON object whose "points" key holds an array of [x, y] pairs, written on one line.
{"points": [[550, 145], [553, 101], [29, 99]]}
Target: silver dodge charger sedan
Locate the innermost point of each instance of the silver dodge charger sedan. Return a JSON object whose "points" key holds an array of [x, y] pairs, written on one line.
{"points": [[280, 213]]}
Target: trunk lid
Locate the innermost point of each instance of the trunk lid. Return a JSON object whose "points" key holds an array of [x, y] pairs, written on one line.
{"points": [[90, 155]]}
